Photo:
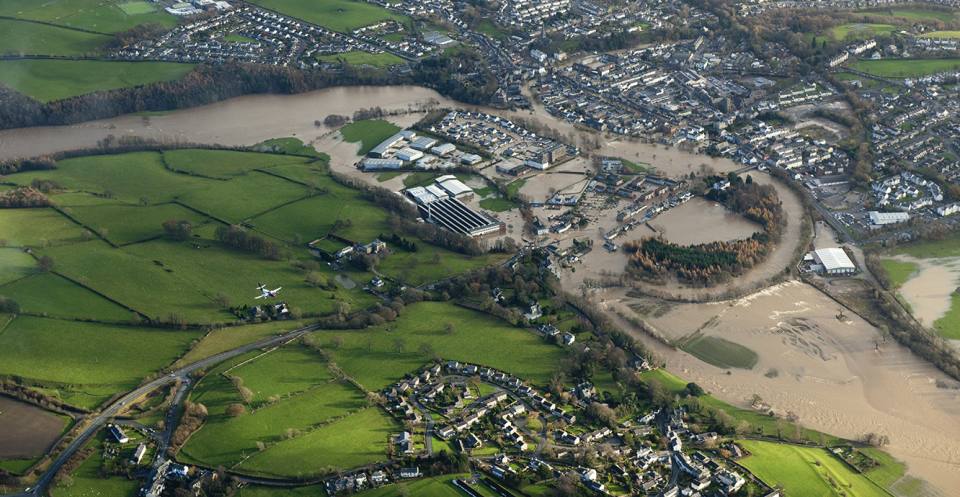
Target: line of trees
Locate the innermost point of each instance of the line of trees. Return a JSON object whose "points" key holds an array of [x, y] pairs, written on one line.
{"points": [[22, 197]]}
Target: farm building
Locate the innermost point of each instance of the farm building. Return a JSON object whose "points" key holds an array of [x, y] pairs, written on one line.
{"points": [[833, 261], [118, 434]]}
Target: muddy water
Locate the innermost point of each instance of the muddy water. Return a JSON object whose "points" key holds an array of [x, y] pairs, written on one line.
{"points": [[250, 119], [838, 376], [930, 289], [702, 221]]}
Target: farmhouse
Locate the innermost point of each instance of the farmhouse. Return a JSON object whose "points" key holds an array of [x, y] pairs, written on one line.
{"points": [[118, 434]]}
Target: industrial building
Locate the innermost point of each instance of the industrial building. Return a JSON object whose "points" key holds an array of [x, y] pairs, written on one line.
{"points": [[455, 216], [832, 261], [885, 218]]}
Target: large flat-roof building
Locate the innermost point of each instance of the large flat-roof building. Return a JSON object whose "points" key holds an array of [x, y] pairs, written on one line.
{"points": [[455, 216], [885, 218], [453, 186], [834, 261]]}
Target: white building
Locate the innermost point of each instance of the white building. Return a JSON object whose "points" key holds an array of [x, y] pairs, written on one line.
{"points": [[885, 218], [834, 261]]}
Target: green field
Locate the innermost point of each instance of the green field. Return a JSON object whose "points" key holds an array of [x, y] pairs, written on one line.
{"points": [[36, 228], [373, 358], [859, 31], [360, 58], [237, 38], [30, 38], [436, 486], [949, 325], [358, 439], [105, 16], [48, 80], [47, 294], [15, 265], [243, 197], [898, 271], [720, 352], [223, 164], [914, 14], [906, 68], [136, 7], [124, 224], [337, 15], [368, 133], [942, 34], [806, 471], [108, 358], [497, 204], [223, 339]]}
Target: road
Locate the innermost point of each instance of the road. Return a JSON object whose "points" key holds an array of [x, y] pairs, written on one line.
{"points": [[182, 374]]}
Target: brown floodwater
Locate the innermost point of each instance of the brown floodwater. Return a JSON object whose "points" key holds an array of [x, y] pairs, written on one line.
{"points": [[702, 221]]}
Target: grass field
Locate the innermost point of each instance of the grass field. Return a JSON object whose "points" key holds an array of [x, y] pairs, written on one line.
{"points": [[223, 164], [949, 325], [375, 358], [436, 486], [15, 265], [360, 58], [337, 15], [48, 80], [906, 68], [948, 247], [497, 204], [227, 440], [243, 197], [914, 13], [124, 224], [942, 34], [720, 352], [78, 354], [223, 339], [237, 38], [105, 16], [283, 372], [30, 38], [858, 31], [47, 294], [358, 439], [898, 271], [368, 133], [258, 491], [37, 228], [806, 471]]}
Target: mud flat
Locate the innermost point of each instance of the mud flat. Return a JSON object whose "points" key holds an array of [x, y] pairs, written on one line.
{"points": [[26, 431], [838, 376], [702, 221]]}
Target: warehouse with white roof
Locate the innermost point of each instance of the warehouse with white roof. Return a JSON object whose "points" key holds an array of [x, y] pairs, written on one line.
{"points": [[833, 261]]}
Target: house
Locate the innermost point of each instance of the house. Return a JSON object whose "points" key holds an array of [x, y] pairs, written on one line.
{"points": [[568, 338], [118, 434], [533, 312], [139, 453], [413, 472], [377, 282]]}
